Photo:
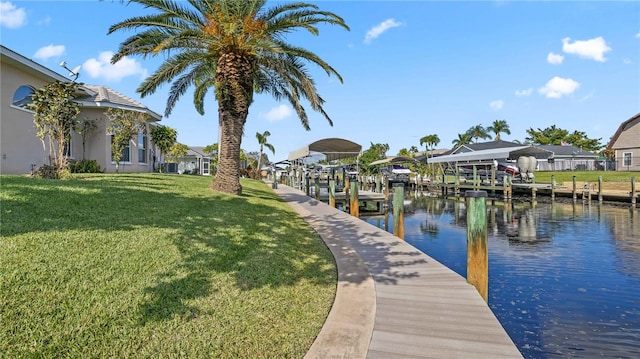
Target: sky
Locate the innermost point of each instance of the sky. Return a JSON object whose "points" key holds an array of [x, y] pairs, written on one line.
{"points": [[409, 68]]}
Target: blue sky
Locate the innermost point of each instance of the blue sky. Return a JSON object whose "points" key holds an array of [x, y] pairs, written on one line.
{"points": [[410, 68]]}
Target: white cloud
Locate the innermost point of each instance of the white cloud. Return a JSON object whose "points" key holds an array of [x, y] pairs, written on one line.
{"points": [[522, 93], [279, 113], [554, 59], [496, 105], [379, 29], [50, 51], [12, 16], [593, 49], [102, 67], [558, 87], [627, 61]]}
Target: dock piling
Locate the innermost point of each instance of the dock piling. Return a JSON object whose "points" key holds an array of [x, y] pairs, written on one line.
{"points": [[398, 210], [477, 243]]}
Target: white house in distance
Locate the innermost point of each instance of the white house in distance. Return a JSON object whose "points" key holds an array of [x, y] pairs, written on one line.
{"points": [[21, 150], [626, 144]]}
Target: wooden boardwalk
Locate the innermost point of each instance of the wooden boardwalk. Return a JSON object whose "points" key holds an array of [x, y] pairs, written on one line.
{"points": [[392, 300]]}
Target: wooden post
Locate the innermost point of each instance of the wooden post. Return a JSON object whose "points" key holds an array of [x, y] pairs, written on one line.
{"points": [[477, 243], [307, 187], [332, 193], [346, 192], [475, 178], [633, 191], [274, 184], [398, 210], [575, 194], [456, 189], [599, 188], [316, 188], [553, 187], [378, 183], [354, 206], [533, 195]]}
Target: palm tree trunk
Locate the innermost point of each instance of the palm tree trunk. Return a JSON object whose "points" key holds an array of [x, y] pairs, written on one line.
{"points": [[234, 93]]}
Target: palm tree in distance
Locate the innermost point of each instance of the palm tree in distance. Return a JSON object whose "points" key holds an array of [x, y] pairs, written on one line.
{"points": [[235, 47], [430, 141], [262, 141], [499, 126], [478, 131], [463, 139]]}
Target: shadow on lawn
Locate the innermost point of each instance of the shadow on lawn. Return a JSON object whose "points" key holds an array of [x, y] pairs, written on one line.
{"points": [[216, 235]]}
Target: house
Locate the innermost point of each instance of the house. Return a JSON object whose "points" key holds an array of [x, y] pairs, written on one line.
{"points": [[568, 158], [626, 145], [20, 148], [197, 161]]}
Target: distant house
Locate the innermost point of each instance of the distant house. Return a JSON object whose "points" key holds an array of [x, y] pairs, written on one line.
{"points": [[22, 151], [197, 161], [626, 144], [568, 158]]}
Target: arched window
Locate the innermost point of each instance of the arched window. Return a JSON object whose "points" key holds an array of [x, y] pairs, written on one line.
{"points": [[22, 96]]}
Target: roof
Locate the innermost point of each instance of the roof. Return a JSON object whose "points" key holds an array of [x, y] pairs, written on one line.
{"points": [[99, 95], [393, 159], [87, 95], [510, 152], [621, 129], [567, 151], [333, 148], [484, 146]]}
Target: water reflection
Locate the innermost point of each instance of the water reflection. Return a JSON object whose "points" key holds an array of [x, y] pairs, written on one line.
{"points": [[564, 279]]}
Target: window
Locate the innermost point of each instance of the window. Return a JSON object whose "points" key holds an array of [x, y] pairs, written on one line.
{"points": [[626, 159], [142, 148], [22, 96], [126, 153]]}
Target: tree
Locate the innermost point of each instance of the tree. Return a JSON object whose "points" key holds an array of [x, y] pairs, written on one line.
{"points": [[262, 141], [376, 152], [123, 126], [177, 151], [430, 141], [54, 115], [236, 47], [498, 127], [463, 139], [83, 127], [413, 150], [557, 136], [478, 131], [404, 152], [163, 137]]}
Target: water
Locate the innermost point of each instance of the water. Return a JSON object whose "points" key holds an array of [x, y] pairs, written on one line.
{"points": [[564, 279]]}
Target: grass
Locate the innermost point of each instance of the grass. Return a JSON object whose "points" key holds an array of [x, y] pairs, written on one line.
{"points": [[157, 266], [586, 176]]}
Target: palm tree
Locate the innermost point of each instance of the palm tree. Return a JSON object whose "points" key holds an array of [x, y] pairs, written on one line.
{"points": [[499, 126], [262, 140], [430, 141], [463, 139], [478, 131], [237, 48]]}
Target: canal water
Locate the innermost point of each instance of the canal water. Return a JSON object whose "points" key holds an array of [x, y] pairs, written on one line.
{"points": [[564, 279]]}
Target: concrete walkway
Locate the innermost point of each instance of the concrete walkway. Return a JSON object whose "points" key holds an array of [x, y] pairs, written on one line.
{"points": [[393, 301]]}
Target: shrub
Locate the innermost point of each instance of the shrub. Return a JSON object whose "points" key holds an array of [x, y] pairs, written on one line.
{"points": [[85, 166]]}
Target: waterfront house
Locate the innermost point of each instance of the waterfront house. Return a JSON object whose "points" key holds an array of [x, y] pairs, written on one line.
{"points": [[22, 151], [626, 145]]}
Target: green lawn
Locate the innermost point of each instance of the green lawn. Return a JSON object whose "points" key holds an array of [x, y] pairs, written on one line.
{"points": [[585, 176], [156, 266]]}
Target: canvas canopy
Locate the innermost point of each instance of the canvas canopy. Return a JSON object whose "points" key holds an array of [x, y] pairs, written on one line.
{"points": [[393, 159], [332, 148], [505, 153]]}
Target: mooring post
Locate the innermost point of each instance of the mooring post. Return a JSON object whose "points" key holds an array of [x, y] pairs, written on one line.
{"points": [[354, 206], [378, 184], [346, 191], [307, 185], [553, 187], [332, 193], [575, 189], [599, 188], [477, 243], [633, 191], [316, 187], [398, 210]]}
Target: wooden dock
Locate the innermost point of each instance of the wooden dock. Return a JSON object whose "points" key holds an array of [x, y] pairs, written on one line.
{"points": [[392, 300]]}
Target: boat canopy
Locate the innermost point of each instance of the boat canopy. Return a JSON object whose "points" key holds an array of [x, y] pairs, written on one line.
{"points": [[332, 148], [505, 153], [393, 160]]}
